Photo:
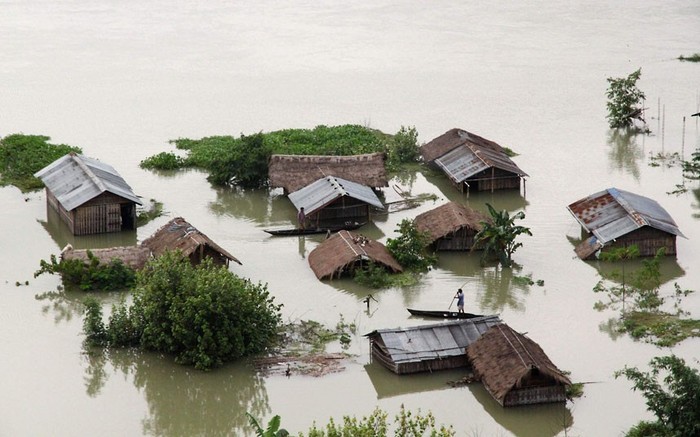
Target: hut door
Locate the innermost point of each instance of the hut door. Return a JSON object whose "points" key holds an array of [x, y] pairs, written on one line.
{"points": [[114, 217]]}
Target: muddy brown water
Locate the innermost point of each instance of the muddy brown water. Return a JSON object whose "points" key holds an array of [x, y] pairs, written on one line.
{"points": [[120, 79]]}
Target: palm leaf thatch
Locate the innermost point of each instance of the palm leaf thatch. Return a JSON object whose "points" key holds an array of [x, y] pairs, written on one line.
{"points": [[134, 257], [448, 219], [293, 172], [344, 251], [178, 234], [508, 362]]}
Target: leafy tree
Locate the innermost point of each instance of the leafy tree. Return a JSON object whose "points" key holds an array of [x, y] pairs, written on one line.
{"points": [[691, 169], [404, 146], [273, 427], [204, 315], [406, 424], [245, 165], [410, 247], [624, 100], [675, 400], [23, 155], [497, 237]]}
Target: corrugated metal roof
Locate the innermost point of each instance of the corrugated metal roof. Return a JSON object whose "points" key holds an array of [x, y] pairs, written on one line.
{"points": [[468, 160], [75, 179], [325, 190], [611, 213], [433, 341]]}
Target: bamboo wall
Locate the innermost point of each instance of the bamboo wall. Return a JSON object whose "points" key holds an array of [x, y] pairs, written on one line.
{"points": [[648, 240], [102, 214], [535, 395], [463, 239], [493, 179], [342, 210]]}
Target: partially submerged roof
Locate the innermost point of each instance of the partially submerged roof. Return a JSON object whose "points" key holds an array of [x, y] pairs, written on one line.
{"points": [[75, 179], [434, 341], [178, 234], [134, 257], [611, 213], [344, 249], [449, 218], [503, 359], [320, 193], [293, 172]]}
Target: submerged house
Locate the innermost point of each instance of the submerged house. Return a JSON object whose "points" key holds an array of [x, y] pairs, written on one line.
{"points": [[293, 172], [472, 162], [178, 234], [616, 218], [134, 257], [333, 200], [89, 196], [345, 251], [451, 226], [514, 369], [429, 347]]}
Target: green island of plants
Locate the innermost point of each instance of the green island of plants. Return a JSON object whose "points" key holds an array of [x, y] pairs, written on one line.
{"points": [[243, 161], [695, 57], [23, 155], [90, 276], [203, 315]]}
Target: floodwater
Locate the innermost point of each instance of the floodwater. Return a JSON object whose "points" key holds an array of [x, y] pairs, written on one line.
{"points": [[120, 79]]}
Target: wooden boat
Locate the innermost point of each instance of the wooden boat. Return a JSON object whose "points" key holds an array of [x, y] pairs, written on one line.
{"points": [[320, 230], [443, 314]]}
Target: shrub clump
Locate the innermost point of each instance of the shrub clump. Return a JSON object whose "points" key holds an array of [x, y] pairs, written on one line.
{"points": [[204, 315], [90, 276], [23, 155], [410, 247]]}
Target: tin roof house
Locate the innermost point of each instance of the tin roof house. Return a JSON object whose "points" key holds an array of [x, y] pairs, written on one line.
{"points": [[89, 196], [451, 226], [514, 369], [429, 347], [617, 218], [472, 162], [331, 200]]}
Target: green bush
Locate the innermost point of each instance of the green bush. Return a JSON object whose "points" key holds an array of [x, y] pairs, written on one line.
{"points": [[410, 247], [373, 275], [204, 315], [23, 155], [93, 275], [163, 161], [403, 147], [624, 100]]}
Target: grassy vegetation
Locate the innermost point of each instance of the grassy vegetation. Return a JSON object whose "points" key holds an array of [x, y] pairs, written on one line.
{"points": [[23, 155], [243, 160], [152, 211], [692, 58], [660, 328]]}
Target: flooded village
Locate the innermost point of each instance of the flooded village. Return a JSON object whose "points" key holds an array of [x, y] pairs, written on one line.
{"points": [[510, 118]]}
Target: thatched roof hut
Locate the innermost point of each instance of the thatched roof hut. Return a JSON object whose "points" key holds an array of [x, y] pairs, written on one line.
{"points": [[178, 234], [451, 226], [345, 251], [617, 218], [515, 369], [132, 256], [293, 172], [472, 162], [426, 348], [89, 195]]}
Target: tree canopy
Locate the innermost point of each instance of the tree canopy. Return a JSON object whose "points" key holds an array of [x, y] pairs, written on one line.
{"points": [[204, 315], [624, 100]]}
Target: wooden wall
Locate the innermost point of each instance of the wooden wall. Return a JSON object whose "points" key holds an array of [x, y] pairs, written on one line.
{"points": [[463, 239], [342, 210], [535, 395], [102, 214], [493, 179], [649, 240]]}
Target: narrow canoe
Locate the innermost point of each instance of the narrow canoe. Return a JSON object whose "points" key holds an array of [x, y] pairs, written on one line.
{"points": [[443, 314], [321, 230]]}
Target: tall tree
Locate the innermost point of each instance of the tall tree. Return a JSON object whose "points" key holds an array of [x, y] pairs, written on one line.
{"points": [[497, 238], [624, 100]]}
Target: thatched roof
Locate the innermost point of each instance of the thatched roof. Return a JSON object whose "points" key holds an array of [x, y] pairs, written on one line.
{"points": [[343, 249], [132, 256], [449, 218], [505, 359], [293, 172], [178, 234], [452, 139]]}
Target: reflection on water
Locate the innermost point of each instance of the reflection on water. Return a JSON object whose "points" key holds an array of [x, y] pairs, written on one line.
{"points": [[253, 205], [61, 234], [388, 384], [696, 205], [624, 151], [502, 288], [545, 420], [183, 402], [66, 304]]}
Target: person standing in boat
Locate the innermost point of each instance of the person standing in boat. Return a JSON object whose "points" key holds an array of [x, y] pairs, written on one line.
{"points": [[460, 300], [301, 218]]}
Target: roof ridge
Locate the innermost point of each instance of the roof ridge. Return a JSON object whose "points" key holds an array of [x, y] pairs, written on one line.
{"points": [[93, 177], [620, 199]]}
